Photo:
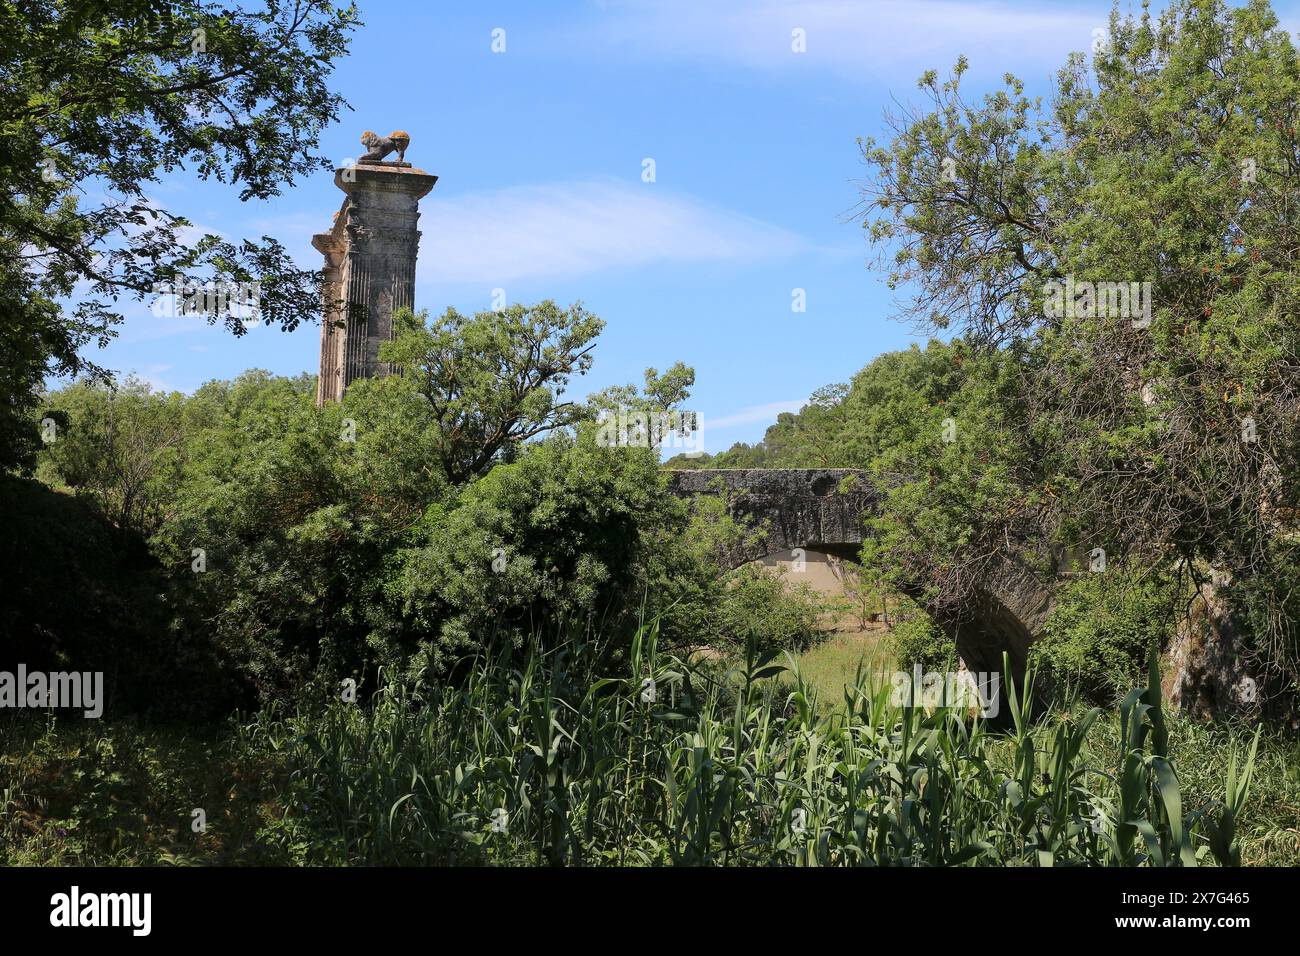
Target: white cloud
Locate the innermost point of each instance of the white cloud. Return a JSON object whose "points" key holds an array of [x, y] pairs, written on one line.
{"points": [[574, 229], [153, 375], [851, 37], [754, 414]]}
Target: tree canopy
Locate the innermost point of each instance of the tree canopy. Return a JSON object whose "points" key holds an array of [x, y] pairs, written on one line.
{"points": [[99, 100], [1116, 275]]}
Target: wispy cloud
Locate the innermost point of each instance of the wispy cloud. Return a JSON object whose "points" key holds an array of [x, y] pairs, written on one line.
{"points": [[851, 37], [753, 415], [142, 325], [574, 229], [153, 375]]}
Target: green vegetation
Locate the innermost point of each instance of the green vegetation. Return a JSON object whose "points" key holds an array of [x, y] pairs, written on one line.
{"points": [[916, 639], [272, 542], [462, 542], [539, 757], [122, 793], [837, 662], [762, 604], [1161, 427], [98, 100], [1098, 636]]}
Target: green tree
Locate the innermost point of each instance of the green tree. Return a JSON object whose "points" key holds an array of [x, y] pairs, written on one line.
{"points": [[496, 379], [101, 99], [305, 541], [739, 455], [267, 543], [560, 537], [1161, 421], [122, 445]]}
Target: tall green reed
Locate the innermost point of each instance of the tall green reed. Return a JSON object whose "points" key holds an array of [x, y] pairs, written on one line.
{"points": [[536, 758]]}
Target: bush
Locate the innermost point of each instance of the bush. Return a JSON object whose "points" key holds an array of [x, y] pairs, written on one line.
{"points": [[1099, 634], [558, 537], [783, 616], [82, 594], [916, 639]]}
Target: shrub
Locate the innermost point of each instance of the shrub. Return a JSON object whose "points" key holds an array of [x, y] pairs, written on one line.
{"points": [[80, 594], [1103, 626], [916, 639], [570, 534], [781, 615]]}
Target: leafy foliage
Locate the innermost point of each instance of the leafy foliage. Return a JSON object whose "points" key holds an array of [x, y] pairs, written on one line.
{"points": [[557, 538], [1168, 432], [541, 759], [80, 594], [762, 604], [124, 451], [1173, 442], [916, 639], [101, 99], [454, 502], [1104, 626], [494, 380]]}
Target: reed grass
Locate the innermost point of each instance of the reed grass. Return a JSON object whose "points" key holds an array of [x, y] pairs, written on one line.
{"points": [[537, 758]]}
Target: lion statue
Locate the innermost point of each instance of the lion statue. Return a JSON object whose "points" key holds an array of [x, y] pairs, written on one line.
{"points": [[377, 147]]}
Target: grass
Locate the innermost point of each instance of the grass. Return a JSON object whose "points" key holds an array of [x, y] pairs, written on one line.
{"points": [[1270, 819], [1201, 750], [546, 758], [830, 666], [82, 793]]}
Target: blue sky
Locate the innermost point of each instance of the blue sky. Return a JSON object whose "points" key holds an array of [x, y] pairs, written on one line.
{"points": [[539, 151]]}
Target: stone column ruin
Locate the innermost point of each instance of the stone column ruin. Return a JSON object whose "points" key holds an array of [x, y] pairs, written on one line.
{"points": [[369, 271]]}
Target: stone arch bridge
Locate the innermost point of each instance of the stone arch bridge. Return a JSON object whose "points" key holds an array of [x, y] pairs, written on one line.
{"points": [[818, 508], [823, 509]]}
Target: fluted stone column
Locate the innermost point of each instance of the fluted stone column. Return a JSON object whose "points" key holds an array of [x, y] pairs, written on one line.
{"points": [[369, 269]]}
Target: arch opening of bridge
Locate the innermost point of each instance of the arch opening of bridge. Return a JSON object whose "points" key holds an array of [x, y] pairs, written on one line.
{"points": [[824, 510]]}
